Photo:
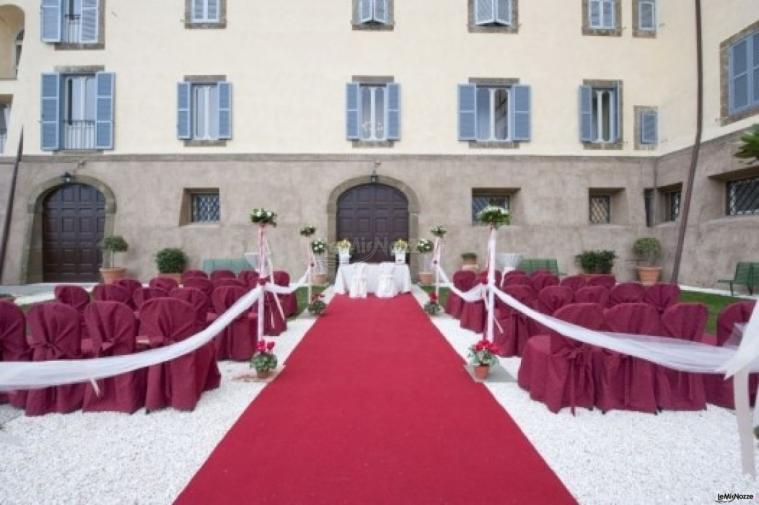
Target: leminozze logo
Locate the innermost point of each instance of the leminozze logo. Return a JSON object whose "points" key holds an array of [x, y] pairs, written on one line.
{"points": [[731, 497]]}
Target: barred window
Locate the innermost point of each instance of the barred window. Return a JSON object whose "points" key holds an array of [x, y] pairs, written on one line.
{"points": [[672, 205], [648, 202], [481, 199], [743, 197], [205, 208], [600, 209]]}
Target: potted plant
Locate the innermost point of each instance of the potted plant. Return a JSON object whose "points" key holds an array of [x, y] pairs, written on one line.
{"points": [[344, 250], [596, 262], [171, 262], [264, 360], [319, 247], [112, 245], [469, 261], [648, 252], [400, 250], [432, 307], [482, 356], [424, 247], [317, 305]]}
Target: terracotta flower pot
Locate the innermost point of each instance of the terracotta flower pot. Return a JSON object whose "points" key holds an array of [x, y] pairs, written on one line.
{"points": [[263, 374], [481, 372], [649, 276], [319, 279], [426, 278], [111, 275]]}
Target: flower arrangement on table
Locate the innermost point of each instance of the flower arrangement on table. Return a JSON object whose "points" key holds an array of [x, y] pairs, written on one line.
{"points": [[317, 305], [439, 231], [344, 246], [424, 246], [494, 216], [319, 246], [263, 217], [307, 230], [400, 246], [264, 360], [482, 356], [432, 307]]}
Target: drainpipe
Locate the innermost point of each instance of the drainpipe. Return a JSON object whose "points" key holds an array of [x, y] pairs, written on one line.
{"points": [[9, 205], [696, 146]]}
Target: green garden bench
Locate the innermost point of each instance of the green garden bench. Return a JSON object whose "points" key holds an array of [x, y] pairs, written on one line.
{"points": [[530, 265], [746, 274], [234, 264]]}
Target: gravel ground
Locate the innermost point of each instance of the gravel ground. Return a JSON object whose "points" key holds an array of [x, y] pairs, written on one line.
{"points": [[623, 457], [111, 458]]}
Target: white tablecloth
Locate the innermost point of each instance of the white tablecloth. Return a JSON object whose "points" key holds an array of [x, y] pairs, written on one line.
{"points": [[400, 273]]}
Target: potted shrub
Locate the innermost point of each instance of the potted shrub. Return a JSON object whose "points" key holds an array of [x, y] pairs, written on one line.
{"points": [[469, 261], [319, 276], [482, 356], [424, 247], [648, 251], [171, 262], [596, 262], [112, 245], [264, 360]]}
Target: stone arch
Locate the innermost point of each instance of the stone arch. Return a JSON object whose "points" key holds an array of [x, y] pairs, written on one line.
{"points": [[32, 268]]}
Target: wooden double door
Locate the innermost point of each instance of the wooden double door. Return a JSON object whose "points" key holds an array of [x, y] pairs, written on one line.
{"points": [[372, 217]]}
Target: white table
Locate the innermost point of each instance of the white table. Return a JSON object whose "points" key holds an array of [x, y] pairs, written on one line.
{"points": [[401, 276]]}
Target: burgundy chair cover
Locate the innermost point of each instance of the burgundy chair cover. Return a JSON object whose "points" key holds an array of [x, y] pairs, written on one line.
{"points": [[13, 345], [289, 302], [539, 272], [513, 328], [544, 280], [718, 390], [624, 382], [113, 330], [517, 280], [627, 292], [249, 278], [199, 301], [222, 274], [573, 282], [238, 340], [55, 333], [593, 294], [682, 390], [111, 293], [73, 296], [201, 284], [552, 298], [193, 274], [516, 272], [178, 383], [605, 280], [165, 283], [131, 285], [559, 371], [464, 280], [662, 296], [473, 314], [228, 282], [142, 295]]}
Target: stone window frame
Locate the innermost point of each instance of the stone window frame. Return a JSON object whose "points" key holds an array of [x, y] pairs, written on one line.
{"points": [[644, 34], [494, 81], [185, 212], [205, 79], [100, 44], [724, 50], [602, 32], [616, 210], [374, 27], [372, 79], [639, 110], [620, 143], [510, 194], [219, 25], [475, 28]]}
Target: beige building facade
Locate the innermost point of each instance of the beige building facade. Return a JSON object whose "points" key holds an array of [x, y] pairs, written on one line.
{"points": [[169, 123]]}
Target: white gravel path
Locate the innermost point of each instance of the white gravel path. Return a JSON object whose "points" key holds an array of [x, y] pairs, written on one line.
{"points": [[111, 458], [622, 457]]}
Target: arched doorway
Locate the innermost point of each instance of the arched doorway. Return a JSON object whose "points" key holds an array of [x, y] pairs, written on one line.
{"points": [[73, 225], [372, 216]]}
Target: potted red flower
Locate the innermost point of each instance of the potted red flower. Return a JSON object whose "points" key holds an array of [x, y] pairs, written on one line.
{"points": [[432, 307], [482, 356], [264, 360]]}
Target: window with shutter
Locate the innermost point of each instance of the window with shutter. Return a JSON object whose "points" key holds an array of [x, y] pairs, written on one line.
{"points": [[744, 74], [494, 113], [600, 114], [373, 111], [373, 14], [601, 17], [649, 134], [205, 13], [71, 22], [647, 15], [492, 12], [204, 111]]}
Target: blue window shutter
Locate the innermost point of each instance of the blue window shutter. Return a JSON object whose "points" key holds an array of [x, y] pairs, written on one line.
{"points": [[739, 76], [225, 110], [503, 12], [649, 134], [609, 16], [184, 109], [646, 15], [484, 12], [365, 11], [467, 112], [213, 10], [755, 76], [594, 13], [90, 21], [104, 88], [352, 120], [616, 123], [50, 112], [381, 11], [393, 111], [198, 10], [52, 21], [520, 113], [586, 114]]}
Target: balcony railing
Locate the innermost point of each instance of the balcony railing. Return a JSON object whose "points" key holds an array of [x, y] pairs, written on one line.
{"points": [[79, 135], [72, 29]]}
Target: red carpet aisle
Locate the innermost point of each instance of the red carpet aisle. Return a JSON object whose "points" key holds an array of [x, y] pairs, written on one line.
{"points": [[374, 407]]}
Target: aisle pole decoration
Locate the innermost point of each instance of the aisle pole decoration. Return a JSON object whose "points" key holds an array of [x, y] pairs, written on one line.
{"points": [[307, 232], [438, 232], [494, 217], [424, 247], [319, 248], [263, 218]]}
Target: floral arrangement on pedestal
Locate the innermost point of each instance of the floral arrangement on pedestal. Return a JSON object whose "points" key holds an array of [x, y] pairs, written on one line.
{"points": [[263, 217], [432, 307], [482, 356], [344, 245], [424, 247], [319, 275], [494, 216], [317, 305], [439, 231], [264, 360], [307, 230], [400, 246], [319, 246]]}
